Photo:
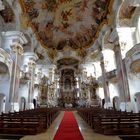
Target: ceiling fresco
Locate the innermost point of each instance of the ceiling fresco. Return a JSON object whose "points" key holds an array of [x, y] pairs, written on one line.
{"points": [[71, 62], [135, 66], [58, 23], [126, 11], [7, 13]]}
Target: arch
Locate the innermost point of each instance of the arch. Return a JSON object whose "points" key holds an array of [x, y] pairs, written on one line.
{"points": [[109, 59], [4, 86], [67, 61], [6, 59], [67, 53], [4, 73], [125, 11], [117, 14]]}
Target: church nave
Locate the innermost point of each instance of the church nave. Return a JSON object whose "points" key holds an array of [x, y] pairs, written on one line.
{"points": [[86, 131], [67, 59]]}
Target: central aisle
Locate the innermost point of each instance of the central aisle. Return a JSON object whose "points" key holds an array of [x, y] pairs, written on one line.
{"points": [[86, 131], [68, 129]]}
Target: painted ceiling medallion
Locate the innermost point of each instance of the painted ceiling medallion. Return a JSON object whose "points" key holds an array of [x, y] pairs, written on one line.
{"points": [[126, 12], [60, 22], [135, 66]]}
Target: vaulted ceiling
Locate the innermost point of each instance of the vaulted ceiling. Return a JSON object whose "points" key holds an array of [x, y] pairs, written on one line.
{"points": [[58, 23], [7, 13], [66, 29], [67, 62]]}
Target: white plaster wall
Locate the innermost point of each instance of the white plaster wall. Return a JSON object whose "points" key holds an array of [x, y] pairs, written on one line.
{"points": [[23, 92], [4, 86], [126, 39], [4, 89], [113, 90], [137, 101], [5, 80], [134, 88], [36, 93], [100, 92], [109, 60], [133, 79], [6, 42], [137, 33]]}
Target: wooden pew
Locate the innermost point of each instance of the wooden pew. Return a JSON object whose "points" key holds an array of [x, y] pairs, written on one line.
{"points": [[27, 122], [111, 122], [117, 125], [22, 125]]}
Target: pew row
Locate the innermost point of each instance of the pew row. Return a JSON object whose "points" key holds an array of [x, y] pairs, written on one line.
{"points": [[111, 122], [28, 122]]}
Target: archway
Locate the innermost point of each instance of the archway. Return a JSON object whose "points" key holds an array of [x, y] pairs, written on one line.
{"points": [[4, 86]]}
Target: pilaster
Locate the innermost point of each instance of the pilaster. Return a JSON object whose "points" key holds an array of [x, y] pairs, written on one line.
{"points": [[17, 49]]}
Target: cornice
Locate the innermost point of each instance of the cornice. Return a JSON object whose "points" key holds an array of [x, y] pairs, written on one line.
{"points": [[15, 35]]}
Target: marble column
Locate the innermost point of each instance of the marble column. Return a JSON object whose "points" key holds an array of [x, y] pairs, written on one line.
{"points": [[31, 65], [18, 51], [121, 74], [104, 80]]}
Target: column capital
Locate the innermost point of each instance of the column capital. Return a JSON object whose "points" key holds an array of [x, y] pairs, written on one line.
{"points": [[17, 48], [27, 56], [32, 63]]}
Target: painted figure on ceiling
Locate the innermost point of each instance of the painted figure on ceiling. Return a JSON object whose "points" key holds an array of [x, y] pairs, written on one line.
{"points": [[29, 5], [49, 30], [65, 1], [66, 14], [33, 13], [7, 13], [56, 21], [84, 5]]}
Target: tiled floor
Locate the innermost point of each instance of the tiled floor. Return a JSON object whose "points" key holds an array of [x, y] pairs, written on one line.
{"points": [[86, 131]]}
